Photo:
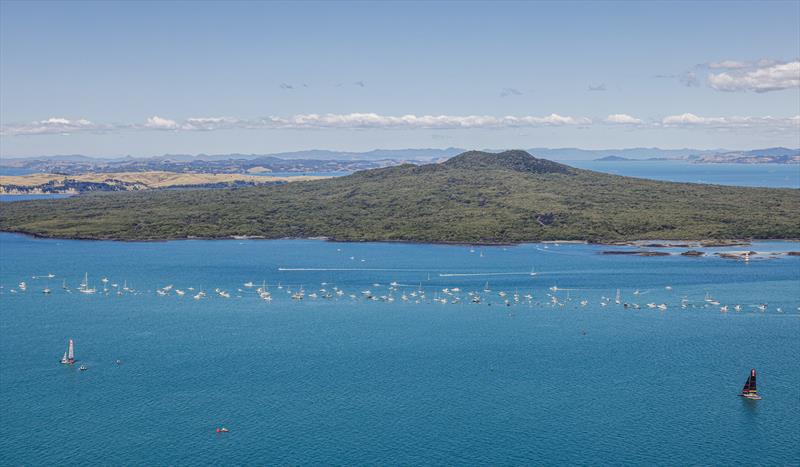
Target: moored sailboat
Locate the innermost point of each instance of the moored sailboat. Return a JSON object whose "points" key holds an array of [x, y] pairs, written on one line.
{"points": [[84, 287], [749, 390]]}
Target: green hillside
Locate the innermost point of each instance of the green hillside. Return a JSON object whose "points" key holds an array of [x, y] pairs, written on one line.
{"points": [[473, 197]]}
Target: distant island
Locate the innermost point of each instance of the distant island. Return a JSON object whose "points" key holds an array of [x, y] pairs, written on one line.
{"points": [[614, 159], [756, 156], [130, 181], [476, 197], [759, 156]]}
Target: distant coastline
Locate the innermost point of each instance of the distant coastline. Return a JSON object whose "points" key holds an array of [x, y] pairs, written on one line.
{"points": [[44, 184]]}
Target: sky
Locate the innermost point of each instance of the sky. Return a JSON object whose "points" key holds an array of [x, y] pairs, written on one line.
{"points": [[152, 78]]}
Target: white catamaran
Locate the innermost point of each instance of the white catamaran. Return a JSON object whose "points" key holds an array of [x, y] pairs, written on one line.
{"points": [[69, 355]]}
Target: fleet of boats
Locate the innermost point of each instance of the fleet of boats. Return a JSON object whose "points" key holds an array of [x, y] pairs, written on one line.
{"points": [[553, 296]]}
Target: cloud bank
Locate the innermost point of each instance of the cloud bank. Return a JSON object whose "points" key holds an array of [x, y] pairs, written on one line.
{"points": [[366, 121]]}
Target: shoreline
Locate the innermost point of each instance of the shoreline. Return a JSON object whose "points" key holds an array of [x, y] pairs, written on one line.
{"points": [[694, 243]]}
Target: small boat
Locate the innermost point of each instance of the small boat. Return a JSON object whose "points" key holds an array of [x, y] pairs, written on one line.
{"points": [[46, 291], [83, 368], [22, 286], [222, 430], [69, 355], [248, 284], [749, 389]]}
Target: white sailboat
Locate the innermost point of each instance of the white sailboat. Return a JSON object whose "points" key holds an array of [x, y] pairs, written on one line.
{"points": [[69, 355], [84, 287]]}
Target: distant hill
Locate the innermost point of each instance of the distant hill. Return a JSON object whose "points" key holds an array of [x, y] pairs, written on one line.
{"points": [[757, 156], [344, 161], [474, 197], [576, 154], [614, 159]]}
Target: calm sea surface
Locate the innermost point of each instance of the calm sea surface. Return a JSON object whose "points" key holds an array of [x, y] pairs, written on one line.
{"points": [[358, 381], [765, 175]]}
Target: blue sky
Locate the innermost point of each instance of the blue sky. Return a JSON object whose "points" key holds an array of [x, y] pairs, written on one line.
{"points": [[147, 78]]}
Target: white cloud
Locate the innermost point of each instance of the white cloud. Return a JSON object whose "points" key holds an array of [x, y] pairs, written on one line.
{"points": [[157, 123], [623, 119], [729, 64], [373, 120], [364, 121], [761, 78], [52, 125], [690, 120]]}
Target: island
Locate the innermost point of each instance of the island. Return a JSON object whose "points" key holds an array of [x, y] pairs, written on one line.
{"points": [[475, 197]]}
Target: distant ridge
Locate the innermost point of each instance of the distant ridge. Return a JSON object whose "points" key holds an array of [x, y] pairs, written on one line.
{"points": [[613, 159]]}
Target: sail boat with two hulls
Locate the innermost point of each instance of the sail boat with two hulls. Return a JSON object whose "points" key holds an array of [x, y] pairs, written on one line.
{"points": [[749, 390]]}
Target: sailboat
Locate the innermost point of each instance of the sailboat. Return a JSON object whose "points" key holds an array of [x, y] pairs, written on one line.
{"points": [[84, 287], [749, 389], [69, 355]]}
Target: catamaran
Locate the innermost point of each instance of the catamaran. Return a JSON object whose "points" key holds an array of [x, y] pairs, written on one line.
{"points": [[749, 389], [69, 355]]}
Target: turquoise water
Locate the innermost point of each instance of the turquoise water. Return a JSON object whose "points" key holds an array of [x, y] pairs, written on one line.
{"points": [[359, 381], [764, 175]]}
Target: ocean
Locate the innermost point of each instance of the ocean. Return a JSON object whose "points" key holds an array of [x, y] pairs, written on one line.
{"points": [[758, 175], [386, 381]]}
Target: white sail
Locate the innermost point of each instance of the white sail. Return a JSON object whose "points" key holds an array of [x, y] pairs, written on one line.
{"points": [[71, 352]]}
